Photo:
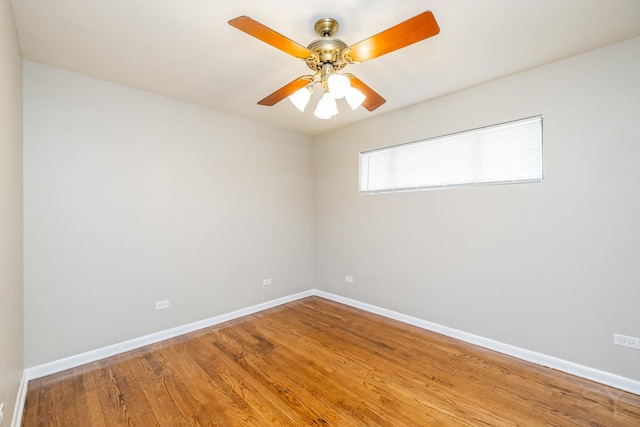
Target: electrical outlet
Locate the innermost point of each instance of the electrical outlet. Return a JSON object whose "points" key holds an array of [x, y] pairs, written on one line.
{"points": [[266, 282], [348, 279], [161, 305], [625, 341]]}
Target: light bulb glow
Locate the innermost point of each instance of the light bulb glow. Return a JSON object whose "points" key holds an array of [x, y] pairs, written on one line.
{"points": [[326, 107], [300, 98], [339, 84], [355, 98]]}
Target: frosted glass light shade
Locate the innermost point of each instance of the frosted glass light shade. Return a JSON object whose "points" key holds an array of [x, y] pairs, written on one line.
{"points": [[300, 98], [338, 85], [355, 98], [326, 107]]}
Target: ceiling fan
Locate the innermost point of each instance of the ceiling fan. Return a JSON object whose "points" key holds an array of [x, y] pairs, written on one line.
{"points": [[328, 55]]}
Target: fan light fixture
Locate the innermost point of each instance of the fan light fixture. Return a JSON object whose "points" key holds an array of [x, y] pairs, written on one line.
{"points": [[335, 86], [326, 107], [355, 98], [338, 85], [328, 55], [300, 98]]}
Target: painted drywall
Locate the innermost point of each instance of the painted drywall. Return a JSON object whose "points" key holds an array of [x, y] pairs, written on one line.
{"points": [[132, 198], [549, 267], [11, 307]]}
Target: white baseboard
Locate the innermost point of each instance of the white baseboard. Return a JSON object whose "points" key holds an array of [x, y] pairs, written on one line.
{"points": [[592, 374], [596, 375], [112, 350], [16, 419]]}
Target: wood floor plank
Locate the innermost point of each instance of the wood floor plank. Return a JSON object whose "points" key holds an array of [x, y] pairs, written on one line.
{"points": [[204, 400], [386, 377], [335, 368], [319, 363], [247, 354]]}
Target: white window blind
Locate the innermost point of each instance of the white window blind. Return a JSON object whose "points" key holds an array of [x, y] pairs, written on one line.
{"points": [[499, 154]]}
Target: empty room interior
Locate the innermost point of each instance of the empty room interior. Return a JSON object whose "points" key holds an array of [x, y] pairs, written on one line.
{"points": [[181, 246]]}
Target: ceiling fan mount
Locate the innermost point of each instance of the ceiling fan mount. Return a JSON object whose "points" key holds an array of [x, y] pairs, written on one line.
{"points": [[328, 55], [326, 27]]}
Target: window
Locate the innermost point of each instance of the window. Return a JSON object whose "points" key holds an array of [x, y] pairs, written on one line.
{"points": [[500, 154]]}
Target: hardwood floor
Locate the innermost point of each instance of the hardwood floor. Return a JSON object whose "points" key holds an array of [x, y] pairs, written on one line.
{"points": [[316, 362]]}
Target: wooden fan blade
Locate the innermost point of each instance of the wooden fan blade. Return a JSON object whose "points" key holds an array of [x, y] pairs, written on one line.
{"points": [[373, 100], [404, 34], [285, 91], [269, 36]]}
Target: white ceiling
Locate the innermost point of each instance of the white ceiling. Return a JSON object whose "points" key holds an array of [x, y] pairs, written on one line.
{"points": [[184, 49]]}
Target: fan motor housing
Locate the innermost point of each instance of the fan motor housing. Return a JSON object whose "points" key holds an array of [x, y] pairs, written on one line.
{"points": [[327, 49]]}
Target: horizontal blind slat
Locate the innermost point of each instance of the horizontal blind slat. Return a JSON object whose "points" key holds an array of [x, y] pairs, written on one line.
{"points": [[504, 153]]}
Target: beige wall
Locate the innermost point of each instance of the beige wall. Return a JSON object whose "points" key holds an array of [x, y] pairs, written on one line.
{"points": [[132, 198], [550, 267], [11, 331]]}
